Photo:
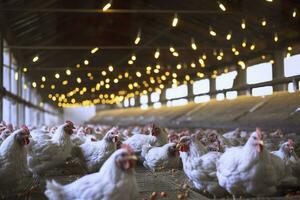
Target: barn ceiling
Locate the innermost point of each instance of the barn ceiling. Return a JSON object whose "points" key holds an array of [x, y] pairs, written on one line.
{"points": [[63, 33]]}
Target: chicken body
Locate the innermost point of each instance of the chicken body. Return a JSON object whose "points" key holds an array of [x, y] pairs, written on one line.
{"points": [[50, 153], [15, 176], [115, 181], [157, 137], [164, 157], [250, 169], [94, 154], [200, 166]]}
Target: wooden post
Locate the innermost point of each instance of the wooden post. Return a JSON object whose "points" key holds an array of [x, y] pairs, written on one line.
{"points": [[278, 70], [212, 87]]}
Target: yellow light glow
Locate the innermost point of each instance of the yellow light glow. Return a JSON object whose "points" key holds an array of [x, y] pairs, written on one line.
{"points": [[222, 6], [130, 62], [103, 73], [178, 66], [77, 65], [52, 87], [193, 65], [193, 44], [264, 22], [110, 68], [94, 50], [35, 59], [57, 75], [106, 6], [42, 86], [86, 62], [25, 69], [219, 57], [65, 82], [228, 36], [156, 54], [289, 48], [138, 74], [243, 24], [275, 37], [236, 53], [116, 80], [78, 79], [68, 72], [252, 47], [175, 20], [244, 43], [294, 13], [176, 54], [212, 32], [33, 84], [133, 57], [172, 49], [242, 64], [43, 78]]}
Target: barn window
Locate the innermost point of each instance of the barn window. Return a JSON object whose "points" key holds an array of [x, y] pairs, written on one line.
{"points": [[177, 92], [225, 81], [292, 66], [201, 86], [202, 99]]}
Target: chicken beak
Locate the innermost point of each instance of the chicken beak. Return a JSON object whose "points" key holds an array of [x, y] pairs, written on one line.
{"points": [[132, 157], [260, 145]]}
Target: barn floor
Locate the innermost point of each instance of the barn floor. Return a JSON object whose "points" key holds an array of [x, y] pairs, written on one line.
{"points": [[172, 183]]}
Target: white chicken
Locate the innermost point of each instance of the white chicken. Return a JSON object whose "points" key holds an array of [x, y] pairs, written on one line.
{"points": [[15, 176], [164, 157], [200, 166], [285, 153], [116, 180], [250, 169], [92, 155], [157, 137], [46, 154]]}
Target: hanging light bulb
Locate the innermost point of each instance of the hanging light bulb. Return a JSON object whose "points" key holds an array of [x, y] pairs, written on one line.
{"points": [[212, 32], [133, 57], [138, 37], [110, 68], [242, 64], [193, 44], [294, 13], [25, 69], [35, 59], [86, 62], [228, 36], [252, 47], [43, 78], [275, 37], [175, 20], [94, 50], [244, 43], [221, 6], [172, 49], [264, 22], [243, 24], [156, 54], [107, 6], [57, 75], [68, 72]]}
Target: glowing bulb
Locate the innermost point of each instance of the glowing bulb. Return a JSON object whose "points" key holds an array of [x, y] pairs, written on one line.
{"points": [[294, 13], [34, 84], [243, 24], [138, 38], [25, 69], [221, 6], [175, 20], [156, 54], [103, 73], [133, 57], [269, 0], [172, 49], [178, 66], [242, 64], [107, 6], [78, 79], [212, 32], [264, 22], [94, 50], [193, 44], [244, 43], [228, 36], [193, 65], [219, 57], [275, 37], [86, 62], [130, 62], [138, 74], [43, 78], [35, 59], [110, 68], [176, 54], [68, 72], [289, 48], [57, 75], [252, 47], [236, 53]]}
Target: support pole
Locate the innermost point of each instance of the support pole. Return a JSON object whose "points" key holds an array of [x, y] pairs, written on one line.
{"points": [[212, 87], [190, 92], [278, 70], [1, 73], [241, 80]]}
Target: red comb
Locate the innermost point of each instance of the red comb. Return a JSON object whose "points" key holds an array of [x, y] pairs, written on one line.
{"points": [[25, 129], [291, 142], [258, 132], [128, 148]]}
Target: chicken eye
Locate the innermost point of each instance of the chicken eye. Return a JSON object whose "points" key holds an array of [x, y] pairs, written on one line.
{"points": [[254, 137]]}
